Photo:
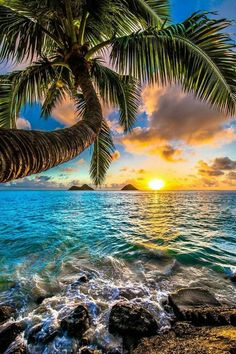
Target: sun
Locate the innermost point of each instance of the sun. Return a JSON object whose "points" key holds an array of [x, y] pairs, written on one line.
{"points": [[156, 184]]}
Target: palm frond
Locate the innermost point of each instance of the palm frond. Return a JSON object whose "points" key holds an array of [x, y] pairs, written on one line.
{"points": [[119, 91], [26, 86], [8, 113], [196, 54], [153, 12], [55, 94], [102, 155], [22, 37]]}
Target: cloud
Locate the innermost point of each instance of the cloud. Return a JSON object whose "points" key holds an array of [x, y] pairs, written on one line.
{"points": [[65, 112], [224, 163], [177, 120], [34, 182], [231, 175], [80, 162], [69, 169], [217, 168], [22, 123], [205, 170]]}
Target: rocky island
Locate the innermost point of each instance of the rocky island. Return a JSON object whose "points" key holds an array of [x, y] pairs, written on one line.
{"points": [[129, 187], [84, 187]]}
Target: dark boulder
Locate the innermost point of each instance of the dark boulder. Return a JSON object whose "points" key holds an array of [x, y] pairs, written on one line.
{"points": [[233, 278], [129, 320], [6, 312], [87, 351], [114, 351], [77, 322], [17, 347], [39, 334], [201, 308], [8, 334]]}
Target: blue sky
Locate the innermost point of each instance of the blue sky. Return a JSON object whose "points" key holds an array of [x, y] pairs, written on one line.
{"points": [[177, 155]]}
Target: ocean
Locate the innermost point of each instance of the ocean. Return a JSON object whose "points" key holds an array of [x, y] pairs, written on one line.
{"points": [[134, 245]]}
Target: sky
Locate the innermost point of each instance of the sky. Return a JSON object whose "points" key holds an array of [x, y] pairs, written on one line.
{"points": [[176, 138]]}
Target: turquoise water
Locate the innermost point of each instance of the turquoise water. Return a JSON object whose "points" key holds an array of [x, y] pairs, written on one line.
{"points": [[144, 244]]}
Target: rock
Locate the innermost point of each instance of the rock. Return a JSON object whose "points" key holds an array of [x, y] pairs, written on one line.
{"points": [[8, 334], [77, 322], [192, 297], [83, 279], [131, 293], [86, 351], [114, 351], [201, 308], [6, 312], [84, 187], [39, 300], [17, 347], [38, 334], [129, 320], [89, 351], [129, 187], [33, 333], [203, 340], [233, 278]]}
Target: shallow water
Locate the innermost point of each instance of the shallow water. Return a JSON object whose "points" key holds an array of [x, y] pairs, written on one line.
{"points": [[139, 245]]}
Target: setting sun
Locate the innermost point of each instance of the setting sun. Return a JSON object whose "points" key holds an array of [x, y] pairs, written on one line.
{"points": [[156, 184]]}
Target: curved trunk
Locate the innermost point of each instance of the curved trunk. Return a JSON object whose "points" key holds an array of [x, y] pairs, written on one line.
{"points": [[23, 153]]}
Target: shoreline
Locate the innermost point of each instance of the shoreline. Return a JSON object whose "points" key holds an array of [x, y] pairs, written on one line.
{"points": [[197, 320]]}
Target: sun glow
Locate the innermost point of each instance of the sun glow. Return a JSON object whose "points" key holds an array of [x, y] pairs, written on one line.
{"points": [[156, 184]]}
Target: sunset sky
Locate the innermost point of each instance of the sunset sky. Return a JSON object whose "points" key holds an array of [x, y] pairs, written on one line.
{"points": [[176, 138]]}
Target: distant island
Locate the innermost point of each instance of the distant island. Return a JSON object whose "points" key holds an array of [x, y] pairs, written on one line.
{"points": [[84, 187], [129, 187]]}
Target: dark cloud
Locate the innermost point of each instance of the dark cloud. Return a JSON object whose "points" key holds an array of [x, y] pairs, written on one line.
{"points": [[35, 182], [231, 175], [217, 167], [224, 163]]}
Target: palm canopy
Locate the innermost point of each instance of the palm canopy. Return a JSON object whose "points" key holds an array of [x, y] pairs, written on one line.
{"points": [[58, 36]]}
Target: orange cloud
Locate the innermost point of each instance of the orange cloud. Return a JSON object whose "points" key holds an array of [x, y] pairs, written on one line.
{"points": [[176, 120], [65, 112]]}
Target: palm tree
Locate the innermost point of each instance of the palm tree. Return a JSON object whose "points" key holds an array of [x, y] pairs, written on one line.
{"points": [[63, 40]]}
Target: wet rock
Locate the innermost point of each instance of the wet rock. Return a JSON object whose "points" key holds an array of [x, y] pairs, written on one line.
{"points": [[84, 341], [33, 333], [182, 329], [130, 294], [129, 320], [201, 308], [17, 347], [192, 297], [83, 279], [8, 334], [233, 278], [38, 334], [77, 322], [39, 300], [114, 351], [6, 312], [204, 340]]}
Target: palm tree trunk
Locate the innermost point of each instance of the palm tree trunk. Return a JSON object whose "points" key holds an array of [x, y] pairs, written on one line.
{"points": [[23, 153]]}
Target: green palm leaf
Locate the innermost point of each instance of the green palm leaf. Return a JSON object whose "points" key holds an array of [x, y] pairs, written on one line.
{"points": [[103, 149], [120, 91], [196, 54], [7, 113]]}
